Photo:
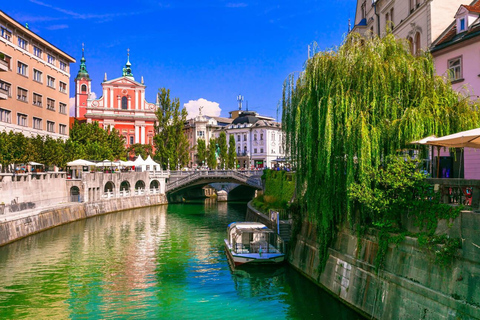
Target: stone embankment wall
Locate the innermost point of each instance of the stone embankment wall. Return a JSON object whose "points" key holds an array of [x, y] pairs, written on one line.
{"points": [[24, 226], [411, 286], [42, 188]]}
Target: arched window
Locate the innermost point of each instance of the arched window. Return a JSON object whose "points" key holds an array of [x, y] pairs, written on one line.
{"points": [[417, 43], [124, 103], [84, 88], [410, 44], [392, 23]]}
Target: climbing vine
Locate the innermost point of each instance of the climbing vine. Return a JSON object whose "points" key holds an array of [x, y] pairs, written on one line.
{"points": [[352, 107]]}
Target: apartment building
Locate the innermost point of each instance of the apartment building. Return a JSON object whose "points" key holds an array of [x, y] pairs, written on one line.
{"points": [[418, 21], [34, 82]]}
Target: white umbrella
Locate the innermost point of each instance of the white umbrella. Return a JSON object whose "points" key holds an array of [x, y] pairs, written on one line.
{"points": [[107, 163], [469, 139], [80, 162], [33, 163]]}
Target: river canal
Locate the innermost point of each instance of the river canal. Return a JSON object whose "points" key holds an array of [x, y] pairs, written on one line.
{"points": [[164, 262]]}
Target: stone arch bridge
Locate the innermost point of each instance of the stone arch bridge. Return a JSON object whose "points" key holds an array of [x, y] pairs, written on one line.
{"points": [[180, 181]]}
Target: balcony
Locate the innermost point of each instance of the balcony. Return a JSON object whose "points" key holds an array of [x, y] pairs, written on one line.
{"points": [[3, 93], [3, 65]]}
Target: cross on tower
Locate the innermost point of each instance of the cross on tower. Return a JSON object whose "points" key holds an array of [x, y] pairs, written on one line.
{"points": [[200, 110]]}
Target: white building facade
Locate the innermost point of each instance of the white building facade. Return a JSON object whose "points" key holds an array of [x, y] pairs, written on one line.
{"points": [[418, 21]]}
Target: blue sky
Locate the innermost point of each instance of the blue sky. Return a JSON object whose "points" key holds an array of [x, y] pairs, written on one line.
{"points": [[211, 49]]}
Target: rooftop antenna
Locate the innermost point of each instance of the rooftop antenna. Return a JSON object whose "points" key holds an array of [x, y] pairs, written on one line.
{"points": [[240, 100]]}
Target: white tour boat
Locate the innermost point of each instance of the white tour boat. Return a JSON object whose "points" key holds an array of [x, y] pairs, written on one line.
{"points": [[253, 243]]}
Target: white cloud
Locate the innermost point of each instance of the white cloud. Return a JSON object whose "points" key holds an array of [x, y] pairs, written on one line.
{"points": [[210, 108]]}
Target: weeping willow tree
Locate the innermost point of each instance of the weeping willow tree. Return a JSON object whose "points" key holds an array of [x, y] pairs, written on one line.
{"points": [[351, 108]]}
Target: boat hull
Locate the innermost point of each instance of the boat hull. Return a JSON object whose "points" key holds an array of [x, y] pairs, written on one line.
{"points": [[238, 259]]}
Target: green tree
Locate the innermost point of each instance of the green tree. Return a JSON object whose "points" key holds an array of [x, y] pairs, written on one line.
{"points": [[170, 141], [201, 151], [88, 140], [232, 153], [223, 148], [212, 157], [139, 149], [351, 108]]}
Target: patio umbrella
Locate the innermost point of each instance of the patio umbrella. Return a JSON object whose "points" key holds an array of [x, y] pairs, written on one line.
{"points": [[468, 139]]}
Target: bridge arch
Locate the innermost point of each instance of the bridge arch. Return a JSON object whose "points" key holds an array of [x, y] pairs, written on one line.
{"points": [[154, 184], [140, 185], [125, 186], [109, 187]]}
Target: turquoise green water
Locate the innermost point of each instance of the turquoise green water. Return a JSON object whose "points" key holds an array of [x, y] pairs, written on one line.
{"points": [[155, 263]]}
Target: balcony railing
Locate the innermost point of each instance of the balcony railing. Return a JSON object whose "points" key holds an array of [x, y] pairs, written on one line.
{"points": [[458, 191]]}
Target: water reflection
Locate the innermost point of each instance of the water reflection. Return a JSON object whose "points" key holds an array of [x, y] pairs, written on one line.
{"points": [[160, 262]]}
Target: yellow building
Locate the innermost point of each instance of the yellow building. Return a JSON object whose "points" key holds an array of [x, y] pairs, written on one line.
{"points": [[34, 82]]}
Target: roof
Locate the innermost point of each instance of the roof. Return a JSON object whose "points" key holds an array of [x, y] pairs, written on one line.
{"points": [[450, 37], [246, 117], [223, 120]]}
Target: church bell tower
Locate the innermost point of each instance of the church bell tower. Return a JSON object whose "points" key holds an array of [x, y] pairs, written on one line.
{"points": [[83, 85]]}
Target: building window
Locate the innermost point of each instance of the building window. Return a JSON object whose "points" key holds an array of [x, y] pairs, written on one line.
{"points": [[238, 138], [50, 104], [255, 150], [455, 69], [22, 119], [62, 129], [22, 43], [412, 5], [8, 60], [131, 140], [124, 103], [50, 126], [63, 87], [261, 136], [37, 123], [51, 82], [261, 150], [273, 136], [364, 10], [392, 23], [5, 115], [201, 134], [51, 59], [37, 75], [417, 44], [254, 137], [63, 66], [22, 94], [6, 87], [6, 34], [37, 52], [244, 137], [244, 150], [238, 150], [37, 100], [63, 108], [22, 69], [84, 88]]}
